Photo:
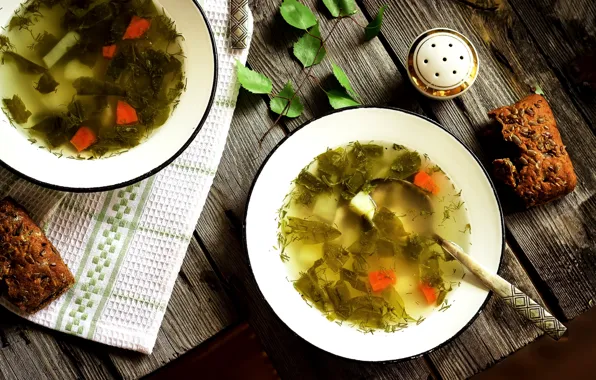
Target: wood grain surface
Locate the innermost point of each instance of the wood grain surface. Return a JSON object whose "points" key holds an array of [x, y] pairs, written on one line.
{"points": [[550, 255]]}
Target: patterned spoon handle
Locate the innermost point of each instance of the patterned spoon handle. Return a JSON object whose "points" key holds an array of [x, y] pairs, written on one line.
{"points": [[520, 301], [239, 23]]}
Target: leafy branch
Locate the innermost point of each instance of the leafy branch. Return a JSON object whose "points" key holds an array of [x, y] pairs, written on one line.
{"points": [[310, 50]]}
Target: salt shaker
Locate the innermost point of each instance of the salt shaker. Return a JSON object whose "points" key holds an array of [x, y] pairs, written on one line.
{"points": [[442, 63]]}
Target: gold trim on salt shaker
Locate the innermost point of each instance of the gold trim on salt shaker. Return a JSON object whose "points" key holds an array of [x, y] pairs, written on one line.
{"points": [[469, 65]]}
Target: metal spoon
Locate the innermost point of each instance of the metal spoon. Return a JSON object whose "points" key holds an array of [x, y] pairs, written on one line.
{"points": [[514, 297]]}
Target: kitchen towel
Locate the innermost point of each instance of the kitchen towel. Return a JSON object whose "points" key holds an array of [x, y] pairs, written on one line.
{"points": [[126, 247]]}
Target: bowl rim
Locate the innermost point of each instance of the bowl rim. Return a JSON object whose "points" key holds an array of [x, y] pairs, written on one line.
{"points": [[436, 124], [166, 162]]}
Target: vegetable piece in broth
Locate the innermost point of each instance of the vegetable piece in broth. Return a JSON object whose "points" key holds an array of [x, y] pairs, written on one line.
{"points": [[92, 86], [353, 279], [389, 224], [310, 231], [46, 84], [308, 285], [366, 244], [339, 295], [310, 182], [406, 164], [331, 166], [335, 256], [17, 109], [396, 304], [24, 65]]}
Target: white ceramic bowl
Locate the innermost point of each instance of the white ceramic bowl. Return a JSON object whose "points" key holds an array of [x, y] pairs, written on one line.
{"points": [[366, 124], [165, 144]]}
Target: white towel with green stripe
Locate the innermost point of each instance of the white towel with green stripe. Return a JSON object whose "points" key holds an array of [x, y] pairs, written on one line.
{"points": [[126, 247]]}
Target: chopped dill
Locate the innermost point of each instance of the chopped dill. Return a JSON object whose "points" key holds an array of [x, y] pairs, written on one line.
{"points": [[435, 169], [5, 44], [420, 320], [444, 307], [467, 228], [284, 258]]}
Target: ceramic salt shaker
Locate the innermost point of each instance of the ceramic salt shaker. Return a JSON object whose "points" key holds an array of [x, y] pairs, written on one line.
{"points": [[442, 63]]}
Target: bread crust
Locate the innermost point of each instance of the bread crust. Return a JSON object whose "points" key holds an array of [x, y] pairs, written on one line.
{"points": [[31, 269], [539, 168]]}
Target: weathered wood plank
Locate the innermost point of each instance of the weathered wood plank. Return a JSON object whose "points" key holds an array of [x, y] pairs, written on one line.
{"points": [[497, 332], [220, 230], [199, 309], [564, 32], [371, 71], [31, 352], [561, 232]]}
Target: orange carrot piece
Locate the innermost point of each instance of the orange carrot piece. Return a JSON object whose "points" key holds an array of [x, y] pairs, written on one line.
{"points": [[137, 27], [429, 293], [83, 139], [426, 182], [381, 279], [125, 114], [109, 51]]}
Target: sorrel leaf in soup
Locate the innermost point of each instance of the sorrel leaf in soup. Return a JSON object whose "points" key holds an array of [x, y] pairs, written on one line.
{"points": [[406, 164], [335, 256], [389, 224], [310, 231], [16, 109], [46, 83]]}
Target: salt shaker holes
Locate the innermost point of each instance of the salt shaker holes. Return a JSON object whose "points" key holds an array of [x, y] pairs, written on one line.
{"points": [[434, 67]]}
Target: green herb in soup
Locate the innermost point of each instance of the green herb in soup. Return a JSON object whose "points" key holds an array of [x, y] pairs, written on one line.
{"points": [[353, 237], [90, 77]]}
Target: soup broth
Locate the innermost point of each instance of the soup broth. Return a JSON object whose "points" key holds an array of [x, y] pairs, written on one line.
{"points": [[90, 78], [356, 243]]}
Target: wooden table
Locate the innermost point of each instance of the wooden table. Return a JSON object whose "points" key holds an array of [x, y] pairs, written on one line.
{"points": [[550, 249]]}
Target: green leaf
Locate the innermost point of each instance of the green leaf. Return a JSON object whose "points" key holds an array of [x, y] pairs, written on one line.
{"points": [[254, 82], [374, 27], [46, 83], [347, 7], [537, 89], [280, 101], [297, 15], [17, 109], [340, 7], [332, 7], [308, 49], [340, 99], [343, 80]]}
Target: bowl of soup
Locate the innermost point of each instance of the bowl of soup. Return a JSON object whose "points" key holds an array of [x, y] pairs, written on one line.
{"points": [[338, 244], [100, 94]]}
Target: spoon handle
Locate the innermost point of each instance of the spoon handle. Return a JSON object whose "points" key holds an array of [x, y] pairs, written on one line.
{"points": [[519, 300]]}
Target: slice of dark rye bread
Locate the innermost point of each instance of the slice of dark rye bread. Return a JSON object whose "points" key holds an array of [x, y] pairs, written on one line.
{"points": [[538, 168], [32, 272]]}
